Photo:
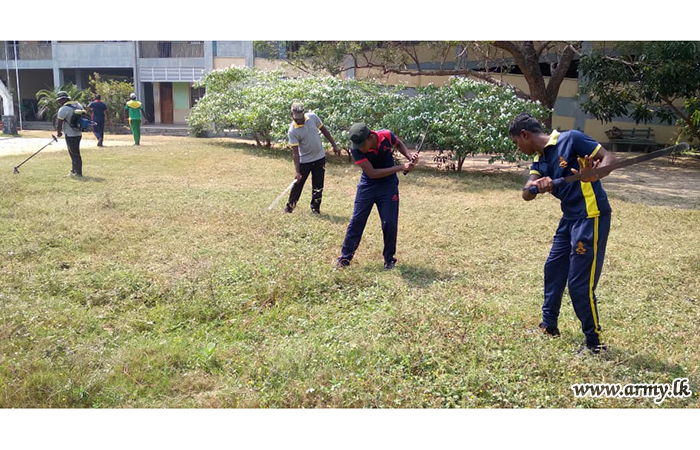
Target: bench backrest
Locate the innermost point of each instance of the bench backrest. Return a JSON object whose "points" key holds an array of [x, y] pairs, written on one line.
{"points": [[643, 133]]}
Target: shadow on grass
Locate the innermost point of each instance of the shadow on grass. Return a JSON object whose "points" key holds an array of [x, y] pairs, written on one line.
{"points": [[420, 276], [275, 152], [334, 219], [471, 181], [415, 276], [91, 179], [643, 361], [474, 181]]}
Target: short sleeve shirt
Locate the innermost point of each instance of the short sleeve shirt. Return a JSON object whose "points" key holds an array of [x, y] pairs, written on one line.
{"points": [[65, 113], [563, 152], [308, 138], [98, 110], [134, 107], [381, 157]]}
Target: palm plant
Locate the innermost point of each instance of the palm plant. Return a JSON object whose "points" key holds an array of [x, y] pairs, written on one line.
{"points": [[48, 105]]}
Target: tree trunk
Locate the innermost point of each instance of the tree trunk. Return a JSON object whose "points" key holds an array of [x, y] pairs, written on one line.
{"points": [[527, 57]]}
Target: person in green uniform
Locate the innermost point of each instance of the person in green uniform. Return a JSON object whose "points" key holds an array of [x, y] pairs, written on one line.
{"points": [[134, 109]]}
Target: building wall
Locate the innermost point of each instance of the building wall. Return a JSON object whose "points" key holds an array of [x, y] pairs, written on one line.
{"points": [[222, 63], [156, 102], [181, 103]]}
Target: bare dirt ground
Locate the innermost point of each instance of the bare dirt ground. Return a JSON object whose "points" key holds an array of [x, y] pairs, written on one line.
{"points": [[659, 182]]}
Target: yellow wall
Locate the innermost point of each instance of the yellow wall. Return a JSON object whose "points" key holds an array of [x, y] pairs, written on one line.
{"points": [[222, 63], [276, 64], [563, 122], [664, 134]]}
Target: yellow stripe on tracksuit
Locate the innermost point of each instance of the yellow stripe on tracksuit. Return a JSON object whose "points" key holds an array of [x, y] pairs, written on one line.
{"points": [[589, 194], [592, 281]]}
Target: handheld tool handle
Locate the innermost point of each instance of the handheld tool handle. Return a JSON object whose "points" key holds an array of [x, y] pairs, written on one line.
{"points": [[557, 183]]}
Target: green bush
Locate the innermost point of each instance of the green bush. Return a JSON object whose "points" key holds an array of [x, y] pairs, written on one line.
{"points": [[466, 117], [114, 94]]}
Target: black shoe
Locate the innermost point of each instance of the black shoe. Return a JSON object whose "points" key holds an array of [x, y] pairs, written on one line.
{"points": [[596, 349], [342, 263], [315, 212], [388, 265], [288, 210], [551, 331]]}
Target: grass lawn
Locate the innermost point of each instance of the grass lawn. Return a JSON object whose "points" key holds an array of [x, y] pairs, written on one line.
{"points": [[162, 280]]}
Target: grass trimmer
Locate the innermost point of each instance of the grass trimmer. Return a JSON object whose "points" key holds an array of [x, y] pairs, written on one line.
{"points": [[53, 139]]}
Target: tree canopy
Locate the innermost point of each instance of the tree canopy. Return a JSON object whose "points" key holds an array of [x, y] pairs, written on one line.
{"points": [[645, 80]]}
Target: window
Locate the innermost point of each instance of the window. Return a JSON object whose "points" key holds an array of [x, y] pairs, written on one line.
{"points": [[165, 49], [12, 49], [293, 46], [195, 95]]}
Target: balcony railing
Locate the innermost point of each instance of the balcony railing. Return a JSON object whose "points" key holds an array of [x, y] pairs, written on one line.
{"points": [[171, 49], [26, 50]]}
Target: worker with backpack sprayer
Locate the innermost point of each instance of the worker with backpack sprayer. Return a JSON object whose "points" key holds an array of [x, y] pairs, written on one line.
{"points": [[72, 121]]}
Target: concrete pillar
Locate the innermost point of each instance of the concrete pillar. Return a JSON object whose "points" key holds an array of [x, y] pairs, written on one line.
{"points": [[137, 86], [9, 124], [57, 72], [208, 56], [156, 102], [79, 79], [249, 53]]}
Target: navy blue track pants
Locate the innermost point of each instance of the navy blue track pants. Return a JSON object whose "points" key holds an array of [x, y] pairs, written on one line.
{"points": [[386, 197], [576, 259]]}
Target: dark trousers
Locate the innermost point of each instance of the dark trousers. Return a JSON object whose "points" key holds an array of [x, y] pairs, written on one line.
{"points": [[386, 197], [317, 169], [98, 129], [576, 259], [73, 144]]}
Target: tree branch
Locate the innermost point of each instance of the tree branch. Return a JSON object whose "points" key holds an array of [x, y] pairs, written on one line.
{"points": [[557, 77], [542, 48], [683, 116]]}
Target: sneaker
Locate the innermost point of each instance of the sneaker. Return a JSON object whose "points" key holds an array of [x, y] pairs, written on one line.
{"points": [[551, 331], [595, 349], [342, 263], [288, 210], [388, 265], [315, 212]]}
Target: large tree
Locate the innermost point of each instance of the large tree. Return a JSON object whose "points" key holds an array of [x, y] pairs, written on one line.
{"points": [[452, 58], [647, 81]]}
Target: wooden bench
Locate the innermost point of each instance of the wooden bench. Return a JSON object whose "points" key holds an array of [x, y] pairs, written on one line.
{"points": [[643, 137]]}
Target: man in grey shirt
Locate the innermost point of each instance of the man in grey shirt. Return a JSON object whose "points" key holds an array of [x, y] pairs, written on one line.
{"points": [[73, 135], [309, 155]]}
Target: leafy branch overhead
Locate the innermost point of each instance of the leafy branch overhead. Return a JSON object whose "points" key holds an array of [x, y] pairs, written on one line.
{"points": [[649, 81], [485, 61]]}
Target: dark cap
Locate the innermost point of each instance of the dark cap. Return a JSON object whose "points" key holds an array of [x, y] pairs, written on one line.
{"points": [[358, 135]]}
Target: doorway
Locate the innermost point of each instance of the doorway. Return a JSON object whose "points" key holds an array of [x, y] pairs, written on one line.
{"points": [[166, 102]]}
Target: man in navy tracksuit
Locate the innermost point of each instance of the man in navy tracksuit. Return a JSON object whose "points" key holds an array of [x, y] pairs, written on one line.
{"points": [[373, 152], [98, 119], [579, 244]]}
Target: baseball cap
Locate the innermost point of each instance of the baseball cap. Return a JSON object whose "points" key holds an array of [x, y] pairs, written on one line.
{"points": [[297, 110], [62, 94], [132, 96], [358, 135]]}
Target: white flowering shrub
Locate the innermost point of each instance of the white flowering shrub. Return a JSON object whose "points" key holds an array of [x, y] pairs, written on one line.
{"points": [[466, 117]]}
